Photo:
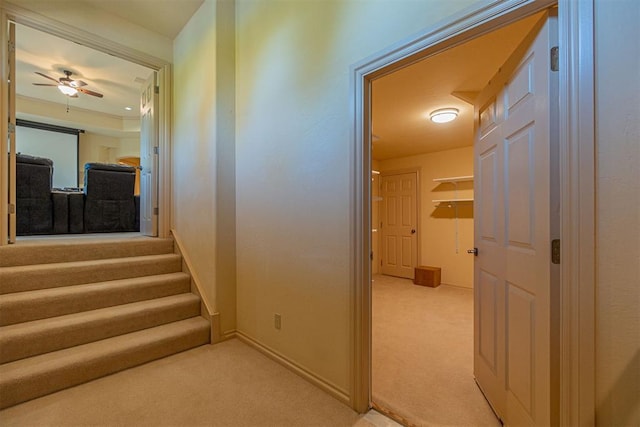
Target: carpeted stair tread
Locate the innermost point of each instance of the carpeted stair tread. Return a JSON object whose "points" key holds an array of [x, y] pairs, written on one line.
{"points": [[39, 304], [80, 249], [46, 335], [37, 376], [43, 276]]}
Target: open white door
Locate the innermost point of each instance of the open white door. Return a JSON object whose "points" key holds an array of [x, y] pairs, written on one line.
{"points": [[513, 274], [149, 158], [9, 181], [399, 219]]}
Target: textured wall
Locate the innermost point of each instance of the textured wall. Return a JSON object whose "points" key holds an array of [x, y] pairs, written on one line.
{"points": [[618, 212], [438, 222], [294, 167]]}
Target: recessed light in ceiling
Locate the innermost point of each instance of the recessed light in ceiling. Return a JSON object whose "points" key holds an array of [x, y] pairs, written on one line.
{"points": [[128, 108], [444, 115]]}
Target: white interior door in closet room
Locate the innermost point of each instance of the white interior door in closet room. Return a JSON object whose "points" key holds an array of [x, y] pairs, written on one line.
{"points": [[399, 224], [516, 217]]}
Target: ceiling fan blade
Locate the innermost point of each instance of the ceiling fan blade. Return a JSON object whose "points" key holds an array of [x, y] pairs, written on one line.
{"points": [[44, 84], [89, 92], [77, 83], [47, 77]]}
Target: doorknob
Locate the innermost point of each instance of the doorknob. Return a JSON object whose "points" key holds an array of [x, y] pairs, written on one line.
{"points": [[473, 251], [413, 231]]}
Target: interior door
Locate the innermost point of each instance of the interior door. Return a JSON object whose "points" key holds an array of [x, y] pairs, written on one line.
{"points": [[149, 158], [399, 224], [513, 274], [11, 160]]}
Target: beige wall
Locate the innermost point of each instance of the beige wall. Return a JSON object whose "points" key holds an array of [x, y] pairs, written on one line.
{"points": [[294, 167], [203, 153], [437, 224], [618, 212], [94, 147]]}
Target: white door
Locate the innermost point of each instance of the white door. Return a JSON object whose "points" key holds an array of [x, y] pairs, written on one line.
{"points": [[399, 224], [513, 274], [11, 160], [149, 158]]}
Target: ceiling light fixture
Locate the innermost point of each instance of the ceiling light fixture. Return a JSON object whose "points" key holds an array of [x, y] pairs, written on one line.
{"points": [[128, 108], [444, 115], [68, 90]]}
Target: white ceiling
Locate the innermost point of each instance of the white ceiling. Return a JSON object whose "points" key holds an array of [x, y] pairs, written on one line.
{"points": [[166, 17], [118, 80], [115, 78], [402, 101]]}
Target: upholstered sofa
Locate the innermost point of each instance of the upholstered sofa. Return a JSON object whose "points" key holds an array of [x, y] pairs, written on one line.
{"points": [[107, 203], [39, 210]]}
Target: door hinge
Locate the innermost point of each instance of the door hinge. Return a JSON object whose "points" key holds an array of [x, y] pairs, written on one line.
{"points": [[155, 211], [555, 58], [156, 89], [12, 46], [371, 255], [11, 128], [156, 150], [555, 251], [12, 208]]}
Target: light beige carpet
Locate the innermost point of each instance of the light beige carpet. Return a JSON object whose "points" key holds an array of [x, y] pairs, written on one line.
{"points": [[227, 384], [423, 354]]}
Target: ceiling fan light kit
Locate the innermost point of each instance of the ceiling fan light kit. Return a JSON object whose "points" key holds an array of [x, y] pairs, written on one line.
{"points": [[444, 115], [67, 85], [68, 90]]}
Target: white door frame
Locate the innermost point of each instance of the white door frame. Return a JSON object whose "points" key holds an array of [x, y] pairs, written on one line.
{"points": [[56, 28], [577, 186]]}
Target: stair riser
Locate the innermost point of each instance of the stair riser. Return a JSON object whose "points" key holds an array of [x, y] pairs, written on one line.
{"points": [[79, 250], [89, 298], [73, 274], [56, 338], [19, 389]]}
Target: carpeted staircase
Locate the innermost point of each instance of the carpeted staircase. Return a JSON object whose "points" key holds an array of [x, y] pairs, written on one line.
{"points": [[75, 310]]}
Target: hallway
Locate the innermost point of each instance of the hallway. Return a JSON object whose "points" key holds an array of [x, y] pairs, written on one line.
{"points": [[228, 384]]}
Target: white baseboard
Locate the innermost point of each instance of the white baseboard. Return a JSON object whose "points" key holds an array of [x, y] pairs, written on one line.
{"points": [[332, 389]]}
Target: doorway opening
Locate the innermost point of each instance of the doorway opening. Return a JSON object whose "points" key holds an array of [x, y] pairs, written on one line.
{"points": [[423, 336], [95, 185], [113, 126]]}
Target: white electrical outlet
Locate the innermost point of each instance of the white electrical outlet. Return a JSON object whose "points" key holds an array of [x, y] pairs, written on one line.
{"points": [[277, 321]]}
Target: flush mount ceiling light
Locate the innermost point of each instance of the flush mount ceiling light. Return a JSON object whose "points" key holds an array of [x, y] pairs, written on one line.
{"points": [[68, 90], [443, 115]]}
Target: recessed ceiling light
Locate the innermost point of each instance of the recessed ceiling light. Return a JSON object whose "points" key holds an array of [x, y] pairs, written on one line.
{"points": [[444, 115], [128, 108]]}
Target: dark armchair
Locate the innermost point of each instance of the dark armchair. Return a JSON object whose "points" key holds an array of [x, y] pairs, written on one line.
{"points": [[38, 209], [109, 202]]}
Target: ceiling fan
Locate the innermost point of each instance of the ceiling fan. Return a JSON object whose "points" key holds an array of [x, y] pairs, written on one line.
{"points": [[67, 85]]}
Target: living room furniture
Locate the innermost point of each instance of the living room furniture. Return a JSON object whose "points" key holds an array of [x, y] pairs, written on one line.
{"points": [[109, 200], [38, 209]]}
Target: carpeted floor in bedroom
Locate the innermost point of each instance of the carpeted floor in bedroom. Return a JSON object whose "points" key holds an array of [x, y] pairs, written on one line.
{"points": [[423, 354]]}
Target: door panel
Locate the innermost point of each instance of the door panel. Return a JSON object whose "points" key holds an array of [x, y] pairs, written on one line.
{"points": [[12, 134], [149, 158], [513, 233], [399, 224]]}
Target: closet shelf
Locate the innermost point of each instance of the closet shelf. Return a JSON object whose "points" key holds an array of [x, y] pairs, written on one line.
{"points": [[451, 201], [454, 179]]}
